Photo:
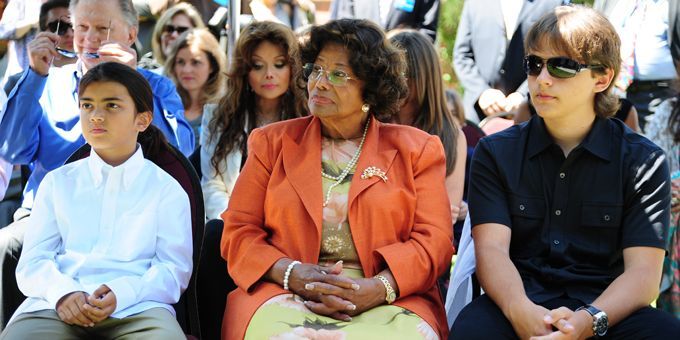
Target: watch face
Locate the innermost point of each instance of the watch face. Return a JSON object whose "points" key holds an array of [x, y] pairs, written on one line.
{"points": [[391, 297], [601, 324]]}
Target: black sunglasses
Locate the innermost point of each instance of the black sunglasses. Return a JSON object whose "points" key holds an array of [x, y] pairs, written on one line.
{"points": [[558, 67], [179, 29], [59, 26]]}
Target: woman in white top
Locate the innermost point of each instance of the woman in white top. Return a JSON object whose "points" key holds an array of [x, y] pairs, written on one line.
{"points": [[260, 90], [109, 249], [197, 65]]}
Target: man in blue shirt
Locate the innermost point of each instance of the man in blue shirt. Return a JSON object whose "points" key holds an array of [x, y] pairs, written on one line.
{"points": [[41, 124], [570, 210]]}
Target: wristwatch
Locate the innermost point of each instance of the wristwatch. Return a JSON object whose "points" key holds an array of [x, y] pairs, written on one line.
{"points": [[600, 320], [390, 295]]}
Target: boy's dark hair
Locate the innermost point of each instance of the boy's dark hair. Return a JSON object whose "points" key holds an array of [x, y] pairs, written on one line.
{"points": [[48, 6], [152, 139]]}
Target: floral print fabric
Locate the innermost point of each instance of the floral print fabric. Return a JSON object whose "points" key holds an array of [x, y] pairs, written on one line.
{"points": [[286, 317]]}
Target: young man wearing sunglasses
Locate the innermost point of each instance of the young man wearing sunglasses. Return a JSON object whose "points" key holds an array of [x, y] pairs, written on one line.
{"points": [[569, 210], [41, 123]]}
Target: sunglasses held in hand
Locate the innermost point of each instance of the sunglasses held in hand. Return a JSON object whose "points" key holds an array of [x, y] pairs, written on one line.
{"points": [[72, 54], [558, 67]]}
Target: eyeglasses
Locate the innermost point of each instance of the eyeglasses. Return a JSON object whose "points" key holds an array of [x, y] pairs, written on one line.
{"points": [[558, 67], [179, 29], [59, 27], [313, 72]]}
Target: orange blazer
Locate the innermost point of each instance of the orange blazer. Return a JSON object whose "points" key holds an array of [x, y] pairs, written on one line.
{"points": [[276, 211]]}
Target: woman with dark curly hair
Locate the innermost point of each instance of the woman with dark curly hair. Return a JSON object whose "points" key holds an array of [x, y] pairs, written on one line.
{"points": [[339, 224], [260, 90]]}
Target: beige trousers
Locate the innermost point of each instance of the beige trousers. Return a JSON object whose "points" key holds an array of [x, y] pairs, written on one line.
{"points": [[152, 324]]}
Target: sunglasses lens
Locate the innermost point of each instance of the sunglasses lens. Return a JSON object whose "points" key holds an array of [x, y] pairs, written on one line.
{"points": [[178, 29], [533, 65], [59, 27], [563, 67]]}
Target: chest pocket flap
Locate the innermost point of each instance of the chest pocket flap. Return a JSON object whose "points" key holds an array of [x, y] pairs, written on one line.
{"points": [[604, 215]]}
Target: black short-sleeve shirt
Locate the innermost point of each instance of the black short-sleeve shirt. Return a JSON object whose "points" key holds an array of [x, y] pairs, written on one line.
{"points": [[571, 217]]}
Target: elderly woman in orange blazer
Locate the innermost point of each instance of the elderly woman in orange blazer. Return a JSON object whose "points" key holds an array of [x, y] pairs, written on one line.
{"points": [[339, 225]]}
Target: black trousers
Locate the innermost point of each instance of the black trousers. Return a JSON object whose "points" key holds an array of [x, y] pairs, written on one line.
{"points": [[482, 319], [212, 282]]}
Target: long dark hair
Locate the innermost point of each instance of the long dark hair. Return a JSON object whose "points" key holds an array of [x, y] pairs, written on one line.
{"points": [[425, 72], [152, 139], [237, 107]]}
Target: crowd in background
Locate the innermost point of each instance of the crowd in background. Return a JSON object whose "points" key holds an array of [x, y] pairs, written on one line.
{"points": [[207, 105]]}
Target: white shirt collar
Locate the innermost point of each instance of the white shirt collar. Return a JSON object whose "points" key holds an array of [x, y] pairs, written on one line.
{"points": [[130, 168]]}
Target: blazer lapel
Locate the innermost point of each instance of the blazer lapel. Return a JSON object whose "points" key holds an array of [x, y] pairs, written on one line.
{"points": [[302, 164], [372, 155]]}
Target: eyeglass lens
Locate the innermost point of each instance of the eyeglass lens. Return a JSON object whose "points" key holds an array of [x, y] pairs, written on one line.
{"points": [[335, 77]]}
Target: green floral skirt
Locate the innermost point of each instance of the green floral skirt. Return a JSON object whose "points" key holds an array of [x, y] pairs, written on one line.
{"points": [[286, 317]]}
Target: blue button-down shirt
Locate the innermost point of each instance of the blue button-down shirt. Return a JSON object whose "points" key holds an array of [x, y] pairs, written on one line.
{"points": [[41, 122], [571, 217]]}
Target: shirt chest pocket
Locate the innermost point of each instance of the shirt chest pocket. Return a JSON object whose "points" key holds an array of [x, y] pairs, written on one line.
{"points": [[600, 225], [528, 216], [601, 215]]}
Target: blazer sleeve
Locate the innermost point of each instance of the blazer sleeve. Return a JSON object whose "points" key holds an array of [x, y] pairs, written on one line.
{"points": [[418, 262], [244, 241], [464, 62]]}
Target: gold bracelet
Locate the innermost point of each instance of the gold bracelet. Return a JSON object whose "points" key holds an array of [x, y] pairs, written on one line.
{"points": [[390, 295]]}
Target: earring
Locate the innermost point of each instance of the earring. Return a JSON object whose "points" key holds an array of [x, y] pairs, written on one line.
{"points": [[365, 108]]}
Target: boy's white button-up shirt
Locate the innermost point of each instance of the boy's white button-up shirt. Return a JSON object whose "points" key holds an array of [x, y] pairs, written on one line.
{"points": [[128, 227]]}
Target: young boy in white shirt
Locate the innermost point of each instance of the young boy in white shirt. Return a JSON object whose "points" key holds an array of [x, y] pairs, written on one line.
{"points": [[109, 249]]}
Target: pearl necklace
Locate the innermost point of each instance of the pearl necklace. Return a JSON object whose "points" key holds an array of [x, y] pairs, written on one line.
{"points": [[350, 165]]}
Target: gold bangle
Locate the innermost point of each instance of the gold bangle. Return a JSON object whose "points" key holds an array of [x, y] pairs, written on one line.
{"points": [[390, 295]]}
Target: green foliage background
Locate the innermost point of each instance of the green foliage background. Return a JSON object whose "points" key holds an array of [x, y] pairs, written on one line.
{"points": [[449, 16]]}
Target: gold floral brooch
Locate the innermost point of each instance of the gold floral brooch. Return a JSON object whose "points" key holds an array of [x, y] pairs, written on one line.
{"points": [[374, 171]]}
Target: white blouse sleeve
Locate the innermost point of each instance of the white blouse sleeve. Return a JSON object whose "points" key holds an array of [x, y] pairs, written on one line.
{"points": [[216, 187]]}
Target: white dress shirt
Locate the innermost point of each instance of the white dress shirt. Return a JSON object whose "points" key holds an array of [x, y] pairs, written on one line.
{"points": [[128, 227], [216, 187]]}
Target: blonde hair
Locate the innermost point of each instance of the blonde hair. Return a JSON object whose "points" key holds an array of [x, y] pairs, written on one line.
{"points": [[180, 8], [202, 39], [586, 36]]}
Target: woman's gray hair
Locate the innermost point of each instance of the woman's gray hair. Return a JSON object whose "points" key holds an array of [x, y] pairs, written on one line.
{"points": [[126, 8]]}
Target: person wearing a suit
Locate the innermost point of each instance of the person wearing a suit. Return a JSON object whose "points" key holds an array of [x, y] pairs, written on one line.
{"points": [[340, 224], [488, 53], [421, 15], [650, 49]]}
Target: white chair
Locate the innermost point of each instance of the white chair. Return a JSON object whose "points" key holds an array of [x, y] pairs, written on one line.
{"points": [[460, 291]]}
